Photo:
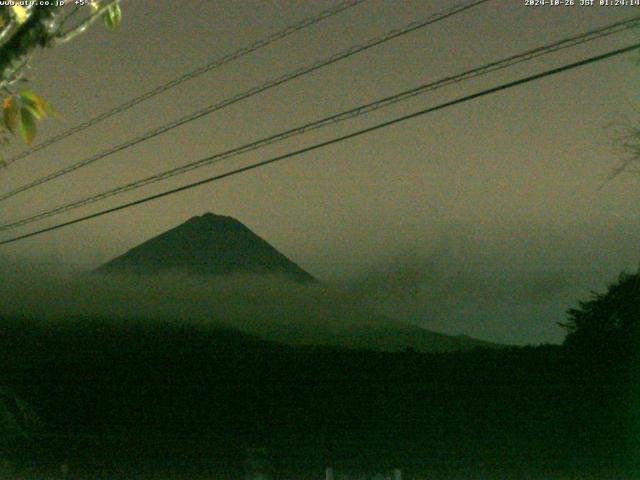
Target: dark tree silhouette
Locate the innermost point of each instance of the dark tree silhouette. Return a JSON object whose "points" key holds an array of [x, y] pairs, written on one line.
{"points": [[607, 320]]}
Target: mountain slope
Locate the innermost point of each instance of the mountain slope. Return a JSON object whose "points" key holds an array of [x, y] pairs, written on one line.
{"points": [[283, 312], [383, 335], [206, 245]]}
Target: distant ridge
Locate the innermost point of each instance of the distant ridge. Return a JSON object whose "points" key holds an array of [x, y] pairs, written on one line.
{"points": [[205, 245]]}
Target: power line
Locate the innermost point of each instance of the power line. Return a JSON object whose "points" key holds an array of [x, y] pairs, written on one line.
{"points": [[413, 26], [333, 141], [219, 62], [528, 55]]}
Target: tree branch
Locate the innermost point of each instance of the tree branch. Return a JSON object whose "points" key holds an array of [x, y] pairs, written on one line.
{"points": [[15, 53], [82, 27]]}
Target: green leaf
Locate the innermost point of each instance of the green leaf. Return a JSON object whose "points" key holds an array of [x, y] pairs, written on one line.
{"points": [[27, 125], [11, 114], [38, 114], [32, 97], [113, 16], [38, 105]]}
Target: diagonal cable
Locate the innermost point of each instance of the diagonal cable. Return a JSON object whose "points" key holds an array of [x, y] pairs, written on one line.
{"points": [[333, 141], [339, 117], [413, 26], [217, 63]]}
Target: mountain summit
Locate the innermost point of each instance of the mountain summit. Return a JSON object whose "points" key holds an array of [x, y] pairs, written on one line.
{"points": [[206, 245], [217, 245]]}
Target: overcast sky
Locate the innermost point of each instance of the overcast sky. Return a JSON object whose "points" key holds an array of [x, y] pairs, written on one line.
{"points": [[485, 218]]}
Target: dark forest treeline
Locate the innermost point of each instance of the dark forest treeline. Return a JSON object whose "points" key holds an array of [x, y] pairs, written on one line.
{"points": [[171, 394]]}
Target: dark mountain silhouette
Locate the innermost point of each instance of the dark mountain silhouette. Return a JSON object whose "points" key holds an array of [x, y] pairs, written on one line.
{"points": [[380, 333], [206, 245], [219, 245]]}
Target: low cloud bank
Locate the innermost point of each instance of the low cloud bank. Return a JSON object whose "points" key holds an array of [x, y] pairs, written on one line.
{"points": [[450, 290]]}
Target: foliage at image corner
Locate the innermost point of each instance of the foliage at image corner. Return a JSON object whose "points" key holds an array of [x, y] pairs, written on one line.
{"points": [[22, 30]]}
